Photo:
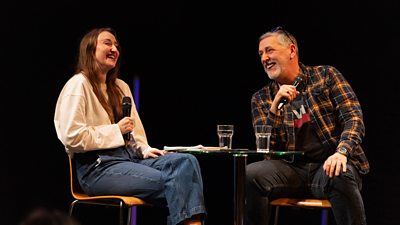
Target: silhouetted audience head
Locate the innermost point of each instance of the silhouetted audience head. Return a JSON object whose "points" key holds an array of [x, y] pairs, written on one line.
{"points": [[48, 217]]}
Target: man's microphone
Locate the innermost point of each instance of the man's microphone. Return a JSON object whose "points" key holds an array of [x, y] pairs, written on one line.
{"points": [[126, 112], [296, 83]]}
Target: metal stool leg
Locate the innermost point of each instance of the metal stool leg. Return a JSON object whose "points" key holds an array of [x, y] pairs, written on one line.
{"points": [[324, 217], [133, 215], [71, 207], [276, 215]]}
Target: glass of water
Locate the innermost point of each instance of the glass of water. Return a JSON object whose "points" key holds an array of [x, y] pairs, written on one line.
{"points": [[225, 133], [263, 135]]}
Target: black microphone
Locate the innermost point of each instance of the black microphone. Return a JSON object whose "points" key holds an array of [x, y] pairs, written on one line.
{"points": [[296, 83], [126, 111]]}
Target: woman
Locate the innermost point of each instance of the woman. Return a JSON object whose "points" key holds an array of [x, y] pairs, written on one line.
{"points": [[89, 122]]}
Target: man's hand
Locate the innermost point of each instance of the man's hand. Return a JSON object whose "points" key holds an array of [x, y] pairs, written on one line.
{"points": [[334, 163], [285, 91]]}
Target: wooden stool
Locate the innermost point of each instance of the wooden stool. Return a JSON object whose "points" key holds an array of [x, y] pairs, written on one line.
{"points": [[324, 204]]}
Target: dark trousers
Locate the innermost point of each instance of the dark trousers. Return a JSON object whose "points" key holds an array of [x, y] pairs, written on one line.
{"points": [[271, 179]]}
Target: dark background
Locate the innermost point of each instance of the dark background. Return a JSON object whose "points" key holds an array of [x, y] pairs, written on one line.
{"points": [[198, 67]]}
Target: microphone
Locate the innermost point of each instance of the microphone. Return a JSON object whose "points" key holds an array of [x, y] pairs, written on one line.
{"points": [[296, 83], [126, 111]]}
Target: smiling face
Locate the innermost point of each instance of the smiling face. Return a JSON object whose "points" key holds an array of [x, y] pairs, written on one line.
{"points": [[107, 51], [278, 58]]}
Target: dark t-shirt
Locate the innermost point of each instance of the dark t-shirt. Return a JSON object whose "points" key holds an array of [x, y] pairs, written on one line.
{"points": [[306, 137]]}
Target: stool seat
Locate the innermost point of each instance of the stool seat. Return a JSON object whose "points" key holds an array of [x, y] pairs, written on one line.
{"points": [[323, 204], [297, 202]]}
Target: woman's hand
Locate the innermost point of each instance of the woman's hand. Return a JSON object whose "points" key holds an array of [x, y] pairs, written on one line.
{"points": [[126, 125], [153, 153]]}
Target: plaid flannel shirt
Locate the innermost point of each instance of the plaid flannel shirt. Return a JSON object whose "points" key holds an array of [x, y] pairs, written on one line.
{"points": [[335, 113]]}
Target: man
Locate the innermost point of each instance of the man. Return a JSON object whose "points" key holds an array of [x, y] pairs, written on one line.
{"points": [[319, 115]]}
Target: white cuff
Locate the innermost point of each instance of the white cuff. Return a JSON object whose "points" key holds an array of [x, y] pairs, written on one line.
{"points": [[146, 151]]}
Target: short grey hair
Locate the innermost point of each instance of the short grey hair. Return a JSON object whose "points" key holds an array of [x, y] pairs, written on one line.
{"points": [[285, 38]]}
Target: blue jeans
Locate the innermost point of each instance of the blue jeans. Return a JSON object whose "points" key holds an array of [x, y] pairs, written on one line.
{"points": [[173, 180], [271, 179]]}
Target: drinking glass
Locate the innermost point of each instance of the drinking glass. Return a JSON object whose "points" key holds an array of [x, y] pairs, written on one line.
{"points": [[263, 135], [225, 133]]}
